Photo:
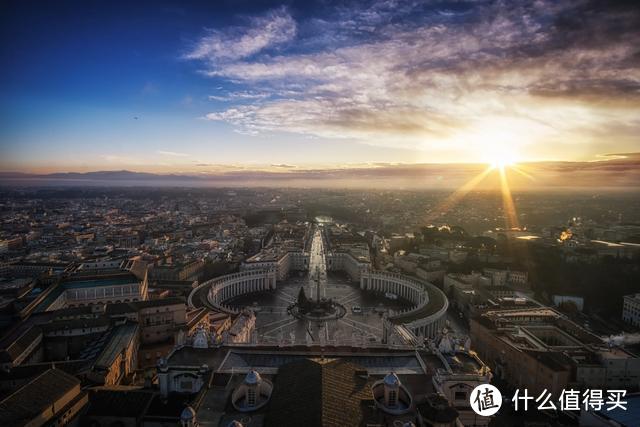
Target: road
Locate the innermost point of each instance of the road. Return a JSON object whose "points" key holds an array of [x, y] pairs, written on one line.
{"points": [[317, 267]]}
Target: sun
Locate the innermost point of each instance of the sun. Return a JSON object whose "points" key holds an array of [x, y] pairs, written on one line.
{"points": [[501, 160]]}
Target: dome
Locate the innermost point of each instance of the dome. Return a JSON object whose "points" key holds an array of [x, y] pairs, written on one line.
{"points": [[391, 379], [391, 396], [187, 414], [253, 377], [253, 393]]}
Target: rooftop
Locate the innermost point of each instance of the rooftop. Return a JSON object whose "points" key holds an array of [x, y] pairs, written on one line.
{"points": [[119, 403], [265, 359], [406, 362], [110, 280], [33, 398], [120, 338], [313, 393]]}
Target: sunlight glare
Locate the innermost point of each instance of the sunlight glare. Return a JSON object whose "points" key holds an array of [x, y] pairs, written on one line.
{"points": [[502, 160]]}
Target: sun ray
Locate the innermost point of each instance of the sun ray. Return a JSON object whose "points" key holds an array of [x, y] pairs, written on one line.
{"points": [[511, 216], [519, 169], [455, 197]]}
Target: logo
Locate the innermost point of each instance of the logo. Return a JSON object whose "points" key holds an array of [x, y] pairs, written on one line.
{"points": [[485, 400]]}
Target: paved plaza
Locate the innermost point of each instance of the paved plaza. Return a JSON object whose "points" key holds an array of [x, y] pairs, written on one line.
{"points": [[274, 324]]}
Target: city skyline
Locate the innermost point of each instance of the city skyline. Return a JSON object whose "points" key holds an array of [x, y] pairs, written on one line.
{"points": [[333, 213], [289, 87]]}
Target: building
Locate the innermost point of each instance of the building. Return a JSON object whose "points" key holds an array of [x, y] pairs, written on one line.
{"points": [[281, 260], [539, 349], [97, 265], [51, 398], [82, 290], [161, 323], [242, 329], [522, 365], [352, 259], [11, 244], [458, 371], [177, 271], [501, 277], [309, 386], [432, 270], [118, 358], [35, 269], [23, 346], [461, 289], [160, 319], [631, 309]]}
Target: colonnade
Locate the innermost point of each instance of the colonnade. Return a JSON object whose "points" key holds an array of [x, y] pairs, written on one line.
{"points": [[227, 287], [427, 317]]}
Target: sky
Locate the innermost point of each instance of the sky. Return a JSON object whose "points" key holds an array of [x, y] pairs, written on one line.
{"points": [[208, 87]]}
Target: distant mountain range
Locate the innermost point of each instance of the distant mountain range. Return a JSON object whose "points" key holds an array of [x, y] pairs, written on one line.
{"points": [[621, 172], [121, 175]]}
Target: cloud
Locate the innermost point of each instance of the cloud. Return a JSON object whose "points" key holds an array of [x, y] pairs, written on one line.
{"points": [[239, 96], [262, 32], [551, 79], [172, 154]]}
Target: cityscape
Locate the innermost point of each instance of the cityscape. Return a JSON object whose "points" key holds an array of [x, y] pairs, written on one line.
{"points": [[279, 213]]}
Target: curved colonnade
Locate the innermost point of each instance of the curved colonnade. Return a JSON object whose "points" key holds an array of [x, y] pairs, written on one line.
{"points": [[226, 287], [427, 316], [424, 319]]}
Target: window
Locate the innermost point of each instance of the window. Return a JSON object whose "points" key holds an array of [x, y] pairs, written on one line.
{"points": [[460, 395], [251, 397]]}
